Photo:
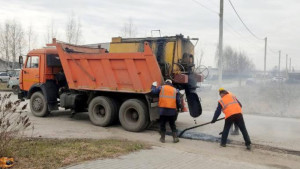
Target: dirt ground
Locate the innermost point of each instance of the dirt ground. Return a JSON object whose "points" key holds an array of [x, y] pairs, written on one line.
{"points": [[60, 125]]}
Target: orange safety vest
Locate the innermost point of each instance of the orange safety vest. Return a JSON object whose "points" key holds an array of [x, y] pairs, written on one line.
{"points": [[230, 105], [167, 97]]}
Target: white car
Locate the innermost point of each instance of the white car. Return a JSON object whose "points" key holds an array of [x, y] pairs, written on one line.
{"points": [[278, 79], [13, 82], [4, 77]]}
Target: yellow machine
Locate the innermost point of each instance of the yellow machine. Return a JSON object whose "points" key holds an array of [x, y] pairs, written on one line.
{"points": [[175, 54]]}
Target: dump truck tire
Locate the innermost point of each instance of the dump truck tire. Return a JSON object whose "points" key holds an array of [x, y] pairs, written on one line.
{"points": [[133, 115], [38, 105], [102, 111], [116, 105]]}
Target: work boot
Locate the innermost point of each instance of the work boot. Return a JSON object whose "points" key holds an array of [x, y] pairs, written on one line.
{"points": [[162, 137], [223, 145], [175, 138], [248, 147]]}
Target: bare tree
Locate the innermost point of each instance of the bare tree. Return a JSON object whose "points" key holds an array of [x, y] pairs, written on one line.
{"points": [[17, 42], [73, 30], [235, 63], [12, 41], [31, 37], [51, 32], [129, 29], [5, 41]]}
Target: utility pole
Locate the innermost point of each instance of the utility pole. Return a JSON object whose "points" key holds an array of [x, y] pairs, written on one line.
{"points": [[290, 64], [265, 59], [286, 65], [279, 63], [221, 42]]}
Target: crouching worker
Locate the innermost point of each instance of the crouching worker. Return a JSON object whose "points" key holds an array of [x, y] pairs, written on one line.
{"points": [[232, 109], [169, 102]]}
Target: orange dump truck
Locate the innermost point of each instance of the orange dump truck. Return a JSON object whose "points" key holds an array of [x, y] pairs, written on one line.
{"points": [[110, 86]]}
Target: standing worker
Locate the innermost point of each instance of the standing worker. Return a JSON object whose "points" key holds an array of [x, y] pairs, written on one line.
{"points": [[232, 109], [169, 101]]}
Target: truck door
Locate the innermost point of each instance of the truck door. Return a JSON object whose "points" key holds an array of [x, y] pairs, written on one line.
{"points": [[31, 72]]}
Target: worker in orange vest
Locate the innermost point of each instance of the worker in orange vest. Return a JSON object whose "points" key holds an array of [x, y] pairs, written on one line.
{"points": [[232, 109], [169, 102]]}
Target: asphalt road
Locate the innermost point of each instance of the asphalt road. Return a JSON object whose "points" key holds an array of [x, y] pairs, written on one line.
{"points": [[274, 132]]}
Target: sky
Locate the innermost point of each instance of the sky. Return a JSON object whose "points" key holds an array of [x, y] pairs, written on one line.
{"points": [[103, 19]]}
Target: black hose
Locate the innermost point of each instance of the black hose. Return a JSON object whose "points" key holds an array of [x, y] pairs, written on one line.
{"points": [[181, 133]]}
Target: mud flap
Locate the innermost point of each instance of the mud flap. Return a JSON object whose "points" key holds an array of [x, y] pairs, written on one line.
{"points": [[194, 104]]}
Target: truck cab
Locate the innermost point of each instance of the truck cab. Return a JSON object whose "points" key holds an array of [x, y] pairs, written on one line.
{"points": [[40, 65], [38, 75]]}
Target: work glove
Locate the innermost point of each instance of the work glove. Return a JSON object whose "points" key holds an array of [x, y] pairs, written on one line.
{"points": [[213, 121], [154, 84]]}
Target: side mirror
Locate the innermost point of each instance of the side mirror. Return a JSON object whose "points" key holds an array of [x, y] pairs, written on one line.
{"points": [[20, 61]]}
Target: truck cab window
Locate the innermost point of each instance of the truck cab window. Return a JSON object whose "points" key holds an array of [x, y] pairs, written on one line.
{"points": [[32, 62], [53, 60]]}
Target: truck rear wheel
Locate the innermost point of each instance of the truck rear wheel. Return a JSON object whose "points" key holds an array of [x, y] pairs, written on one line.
{"points": [[38, 105], [102, 111], [133, 115]]}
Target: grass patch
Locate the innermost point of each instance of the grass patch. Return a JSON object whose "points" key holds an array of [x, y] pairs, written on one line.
{"points": [[55, 153]]}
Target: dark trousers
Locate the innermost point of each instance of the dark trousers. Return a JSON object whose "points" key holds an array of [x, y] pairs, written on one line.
{"points": [[239, 121], [164, 119]]}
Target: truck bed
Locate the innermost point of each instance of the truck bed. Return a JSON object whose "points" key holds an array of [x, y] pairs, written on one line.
{"points": [[117, 72]]}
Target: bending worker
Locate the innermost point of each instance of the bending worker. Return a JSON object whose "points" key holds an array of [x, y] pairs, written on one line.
{"points": [[232, 109], [169, 101]]}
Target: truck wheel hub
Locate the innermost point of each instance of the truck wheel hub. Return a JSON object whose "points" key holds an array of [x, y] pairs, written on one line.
{"points": [[132, 115], [37, 104], [135, 115], [100, 111]]}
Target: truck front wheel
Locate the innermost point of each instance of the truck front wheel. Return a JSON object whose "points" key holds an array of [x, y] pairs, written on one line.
{"points": [[133, 115], [102, 111], [38, 105], [15, 89]]}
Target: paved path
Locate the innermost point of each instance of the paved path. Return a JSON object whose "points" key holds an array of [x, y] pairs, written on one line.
{"points": [[164, 158], [272, 131]]}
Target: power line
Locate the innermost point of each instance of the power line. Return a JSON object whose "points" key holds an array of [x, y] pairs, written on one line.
{"points": [[244, 22], [241, 39], [239, 36], [231, 27], [211, 10]]}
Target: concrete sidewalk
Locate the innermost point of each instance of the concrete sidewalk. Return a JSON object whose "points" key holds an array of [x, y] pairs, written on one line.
{"points": [[159, 158]]}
